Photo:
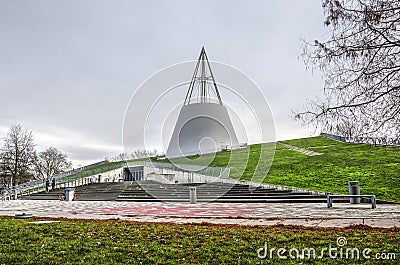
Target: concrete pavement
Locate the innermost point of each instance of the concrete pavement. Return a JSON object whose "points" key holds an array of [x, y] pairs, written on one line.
{"points": [[306, 214]]}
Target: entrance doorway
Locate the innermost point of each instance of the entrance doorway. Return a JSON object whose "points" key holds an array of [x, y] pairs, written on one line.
{"points": [[134, 173]]}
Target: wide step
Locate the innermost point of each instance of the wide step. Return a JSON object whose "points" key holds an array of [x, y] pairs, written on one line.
{"points": [[205, 192]]}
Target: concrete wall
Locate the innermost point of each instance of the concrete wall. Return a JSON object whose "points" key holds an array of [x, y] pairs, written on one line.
{"points": [[109, 176]]}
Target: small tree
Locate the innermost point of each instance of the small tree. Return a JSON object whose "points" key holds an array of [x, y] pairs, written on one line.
{"points": [[360, 61], [18, 154], [51, 162], [136, 154]]}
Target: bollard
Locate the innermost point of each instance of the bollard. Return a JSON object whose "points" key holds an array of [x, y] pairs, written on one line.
{"points": [[69, 194], [354, 189], [193, 195]]}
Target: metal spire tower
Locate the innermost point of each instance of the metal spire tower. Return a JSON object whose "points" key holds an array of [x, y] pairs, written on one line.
{"points": [[202, 88], [203, 125]]}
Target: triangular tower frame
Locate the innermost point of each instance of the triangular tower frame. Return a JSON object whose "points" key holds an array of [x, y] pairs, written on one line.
{"points": [[203, 84]]}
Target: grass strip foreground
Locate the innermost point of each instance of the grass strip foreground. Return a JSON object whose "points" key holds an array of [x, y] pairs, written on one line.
{"points": [[123, 242]]}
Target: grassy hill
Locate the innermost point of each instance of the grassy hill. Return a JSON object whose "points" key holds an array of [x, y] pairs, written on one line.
{"points": [[377, 168]]}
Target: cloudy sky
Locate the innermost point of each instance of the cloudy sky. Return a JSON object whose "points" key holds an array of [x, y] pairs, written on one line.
{"points": [[68, 69]]}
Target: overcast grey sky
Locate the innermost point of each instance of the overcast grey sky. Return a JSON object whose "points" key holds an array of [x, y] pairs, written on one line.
{"points": [[69, 68]]}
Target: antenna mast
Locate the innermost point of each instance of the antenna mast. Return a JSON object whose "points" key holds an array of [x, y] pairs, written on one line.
{"points": [[203, 85]]}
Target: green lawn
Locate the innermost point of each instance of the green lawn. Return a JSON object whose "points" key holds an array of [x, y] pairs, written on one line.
{"points": [[118, 242], [377, 168]]}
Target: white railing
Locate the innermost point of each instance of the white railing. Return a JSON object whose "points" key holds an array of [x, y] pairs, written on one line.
{"points": [[223, 147], [198, 169]]}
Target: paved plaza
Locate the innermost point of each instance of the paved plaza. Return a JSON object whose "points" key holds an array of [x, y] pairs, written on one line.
{"points": [[306, 214]]}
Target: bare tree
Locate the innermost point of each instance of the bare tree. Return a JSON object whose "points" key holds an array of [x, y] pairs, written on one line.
{"points": [[120, 157], [18, 154], [360, 61], [136, 154], [141, 153], [51, 162]]}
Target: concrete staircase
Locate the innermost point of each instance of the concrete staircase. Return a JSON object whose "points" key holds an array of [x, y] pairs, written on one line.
{"points": [[217, 192], [150, 191], [92, 192]]}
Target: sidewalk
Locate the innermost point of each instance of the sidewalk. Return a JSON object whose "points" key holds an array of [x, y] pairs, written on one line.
{"points": [[306, 214]]}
